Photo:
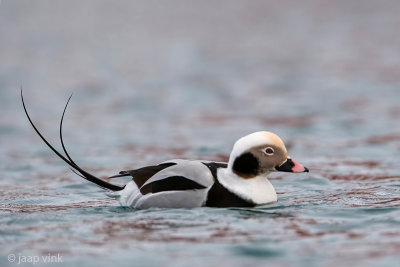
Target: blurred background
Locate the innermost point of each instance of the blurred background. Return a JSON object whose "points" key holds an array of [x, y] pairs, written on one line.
{"points": [[155, 80]]}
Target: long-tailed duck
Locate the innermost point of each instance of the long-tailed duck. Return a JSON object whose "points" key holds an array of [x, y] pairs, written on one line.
{"points": [[242, 182]]}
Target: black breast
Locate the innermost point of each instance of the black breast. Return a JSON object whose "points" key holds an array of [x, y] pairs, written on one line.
{"points": [[219, 196]]}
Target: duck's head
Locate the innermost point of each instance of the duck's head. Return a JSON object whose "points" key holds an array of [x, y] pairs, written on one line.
{"points": [[260, 153]]}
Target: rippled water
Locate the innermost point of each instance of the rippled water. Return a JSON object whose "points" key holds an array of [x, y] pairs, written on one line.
{"points": [[155, 82]]}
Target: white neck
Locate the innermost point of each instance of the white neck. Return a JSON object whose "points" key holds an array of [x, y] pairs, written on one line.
{"points": [[258, 189]]}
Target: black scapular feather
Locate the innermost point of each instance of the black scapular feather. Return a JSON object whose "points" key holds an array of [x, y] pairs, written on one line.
{"points": [[75, 167]]}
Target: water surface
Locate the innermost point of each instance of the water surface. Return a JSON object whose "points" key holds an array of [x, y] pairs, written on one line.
{"points": [[186, 80]]}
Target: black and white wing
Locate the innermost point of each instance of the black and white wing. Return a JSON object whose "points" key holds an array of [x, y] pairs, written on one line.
{"points": [[172, 184]]}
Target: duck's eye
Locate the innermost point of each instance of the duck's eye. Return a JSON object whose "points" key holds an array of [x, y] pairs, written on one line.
{"points": [[269, 151]]}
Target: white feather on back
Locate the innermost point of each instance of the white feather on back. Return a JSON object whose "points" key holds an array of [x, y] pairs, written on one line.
{"points": [[194, 170]]}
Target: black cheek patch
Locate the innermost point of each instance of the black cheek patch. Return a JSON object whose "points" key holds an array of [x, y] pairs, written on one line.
{"points": [[246, 165]]}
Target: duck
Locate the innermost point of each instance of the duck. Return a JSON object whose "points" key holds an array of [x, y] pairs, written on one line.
{"points": [[183, 183]]}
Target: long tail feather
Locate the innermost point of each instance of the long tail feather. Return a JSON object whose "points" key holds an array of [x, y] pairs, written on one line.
{"points": [[77, 173], [69, 161], [61, 137]]}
